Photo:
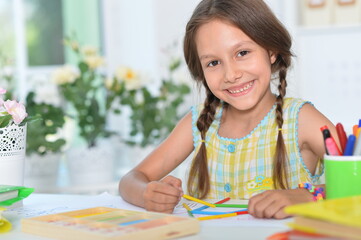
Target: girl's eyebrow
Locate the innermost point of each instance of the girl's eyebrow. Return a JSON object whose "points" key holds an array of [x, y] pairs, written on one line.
{"points": [[205, 57]]}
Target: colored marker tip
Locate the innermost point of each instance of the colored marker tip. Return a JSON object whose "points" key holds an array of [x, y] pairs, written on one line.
{"points": [[324, 128]]}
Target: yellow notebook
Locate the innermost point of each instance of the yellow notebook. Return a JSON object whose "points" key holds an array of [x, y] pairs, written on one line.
{"points": [[345, 211], [337, 217]]}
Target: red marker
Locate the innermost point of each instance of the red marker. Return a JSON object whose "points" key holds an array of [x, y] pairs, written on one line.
{"points": [[341, 136]]}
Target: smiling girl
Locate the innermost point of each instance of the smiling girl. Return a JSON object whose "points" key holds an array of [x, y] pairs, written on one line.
{"points": [[248, 142]]}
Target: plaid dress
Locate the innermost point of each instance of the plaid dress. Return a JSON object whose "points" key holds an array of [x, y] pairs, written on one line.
{"points": [[240, 168]]}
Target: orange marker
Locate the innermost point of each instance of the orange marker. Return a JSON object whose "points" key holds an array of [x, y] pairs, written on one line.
{"points": [[354, 129]]}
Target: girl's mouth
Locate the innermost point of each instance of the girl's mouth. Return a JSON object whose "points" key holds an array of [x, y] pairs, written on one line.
{"points": [[241, 89]]}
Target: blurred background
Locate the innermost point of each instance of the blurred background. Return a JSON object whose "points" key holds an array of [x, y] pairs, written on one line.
{"points": [[109, 81]]}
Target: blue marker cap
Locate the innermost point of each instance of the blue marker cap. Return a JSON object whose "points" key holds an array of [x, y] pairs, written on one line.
{"points": [[359, 123], [350, 145]]}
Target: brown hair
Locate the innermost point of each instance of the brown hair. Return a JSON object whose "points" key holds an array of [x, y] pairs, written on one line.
{"points": [[257, 21]]}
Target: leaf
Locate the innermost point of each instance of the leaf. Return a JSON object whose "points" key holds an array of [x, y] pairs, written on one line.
{"points": [[4, 120]]}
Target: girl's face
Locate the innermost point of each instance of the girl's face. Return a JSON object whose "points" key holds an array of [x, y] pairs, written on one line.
{"points": [[237, 70]]}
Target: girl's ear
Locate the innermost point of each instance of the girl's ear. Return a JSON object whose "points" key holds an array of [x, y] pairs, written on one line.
{"points": [[272, 57]]}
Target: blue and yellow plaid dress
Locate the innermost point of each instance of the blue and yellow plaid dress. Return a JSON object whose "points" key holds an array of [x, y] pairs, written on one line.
{"points": [[240, 168]]}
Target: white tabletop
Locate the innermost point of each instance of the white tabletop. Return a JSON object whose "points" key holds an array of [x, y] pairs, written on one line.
{"points": [[41, 204]]}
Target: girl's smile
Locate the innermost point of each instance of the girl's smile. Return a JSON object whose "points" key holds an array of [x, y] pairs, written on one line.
{"points": [[241, 89]]}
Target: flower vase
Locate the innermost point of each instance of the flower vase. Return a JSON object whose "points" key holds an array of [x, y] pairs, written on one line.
{"points": [[12, 154], [42, 171], [89, 166]]}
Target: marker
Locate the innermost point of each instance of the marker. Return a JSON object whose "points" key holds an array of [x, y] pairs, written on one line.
{"points": [[350, 145], [205, 207], [341, 136], [354, 129], [359, 123], [358, 132], [326, 134], [357, 151], [331, 147], [199, 201], [222, 215]]}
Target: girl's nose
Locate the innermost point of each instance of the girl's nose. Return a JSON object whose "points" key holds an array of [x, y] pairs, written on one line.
{"points": [[232, 72]]}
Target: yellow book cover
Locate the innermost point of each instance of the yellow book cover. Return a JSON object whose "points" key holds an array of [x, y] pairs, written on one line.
{"points": [[345, 211]]}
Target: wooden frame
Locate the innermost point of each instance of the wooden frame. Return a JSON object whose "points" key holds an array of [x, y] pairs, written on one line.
{"points": [[104, 223]]}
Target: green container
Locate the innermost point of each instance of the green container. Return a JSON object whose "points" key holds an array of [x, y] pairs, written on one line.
{"points": [[343, 176]]}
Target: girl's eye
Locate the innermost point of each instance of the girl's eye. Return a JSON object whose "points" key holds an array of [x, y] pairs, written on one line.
{"points": [[213, 63], [243, 53]]}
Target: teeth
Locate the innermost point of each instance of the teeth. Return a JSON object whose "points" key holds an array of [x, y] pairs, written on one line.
{"points": [[241, 89]]}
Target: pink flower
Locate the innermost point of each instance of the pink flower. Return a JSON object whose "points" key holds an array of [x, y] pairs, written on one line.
{"points": [[2, 91], [16, 110]]}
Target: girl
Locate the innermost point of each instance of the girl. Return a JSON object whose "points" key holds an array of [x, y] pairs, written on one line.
{"points": [[249, 143]]}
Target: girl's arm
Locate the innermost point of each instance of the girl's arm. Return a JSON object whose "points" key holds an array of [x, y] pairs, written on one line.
{"points": [[270, 204], [146, 185]]}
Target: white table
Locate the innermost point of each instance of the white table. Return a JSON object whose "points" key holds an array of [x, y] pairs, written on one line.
{"points": [[40, 204]]}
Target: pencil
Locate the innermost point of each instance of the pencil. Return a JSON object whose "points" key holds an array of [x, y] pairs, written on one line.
{"points": [[188, 210], [232, 205], [205, 207], [222, 215], [198, 201]]}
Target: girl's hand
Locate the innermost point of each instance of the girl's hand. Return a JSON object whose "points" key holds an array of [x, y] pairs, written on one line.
{"points": [[270, 204], [163, 195]]}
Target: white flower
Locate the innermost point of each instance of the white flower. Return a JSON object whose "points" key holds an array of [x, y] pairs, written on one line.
{"points": [[64, 75], [94, 61], [131, 79], [89, 51]]}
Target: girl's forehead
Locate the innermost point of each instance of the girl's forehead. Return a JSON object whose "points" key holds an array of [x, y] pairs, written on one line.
{"points": [[221, 33]]}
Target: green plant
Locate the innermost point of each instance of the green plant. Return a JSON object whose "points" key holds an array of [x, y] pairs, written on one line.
{"points": [[93, 97], [44, 120], [41, 133], [153, 115], [83, 87]]}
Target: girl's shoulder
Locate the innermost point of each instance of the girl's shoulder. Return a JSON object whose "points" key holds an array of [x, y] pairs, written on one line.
{"points": [[294, 103]]}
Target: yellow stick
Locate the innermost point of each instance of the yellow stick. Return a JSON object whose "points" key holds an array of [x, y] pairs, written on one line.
{"points": [[217, 216], [186, 207], [188, 210], [199, 201]]}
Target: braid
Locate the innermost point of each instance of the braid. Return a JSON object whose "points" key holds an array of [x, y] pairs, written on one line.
{"points": [[199, 166], [280, 159]]}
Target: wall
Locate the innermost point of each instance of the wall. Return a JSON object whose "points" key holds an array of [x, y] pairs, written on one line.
{"points": [[325, 69]]}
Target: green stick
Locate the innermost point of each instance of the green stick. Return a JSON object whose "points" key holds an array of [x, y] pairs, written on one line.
{"points": [[232, 205]]}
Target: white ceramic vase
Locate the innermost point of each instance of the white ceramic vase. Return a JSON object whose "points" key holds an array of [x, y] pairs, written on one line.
{"points": [[12, 155], [42, 171], [89, 166]]}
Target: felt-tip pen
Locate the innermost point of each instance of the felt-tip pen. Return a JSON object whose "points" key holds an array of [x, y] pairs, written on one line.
{"points": [[350, 145]]}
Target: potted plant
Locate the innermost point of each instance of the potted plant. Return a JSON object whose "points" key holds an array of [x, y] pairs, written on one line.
{"points": [[13, 118], [45, 144], [90, 159], [153, 111]]}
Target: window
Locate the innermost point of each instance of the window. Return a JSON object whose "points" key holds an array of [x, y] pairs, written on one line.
{"points": [[44, 32]]}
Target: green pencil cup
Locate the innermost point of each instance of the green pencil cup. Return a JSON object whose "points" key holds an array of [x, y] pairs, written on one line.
{"points": [[343, 176]]}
